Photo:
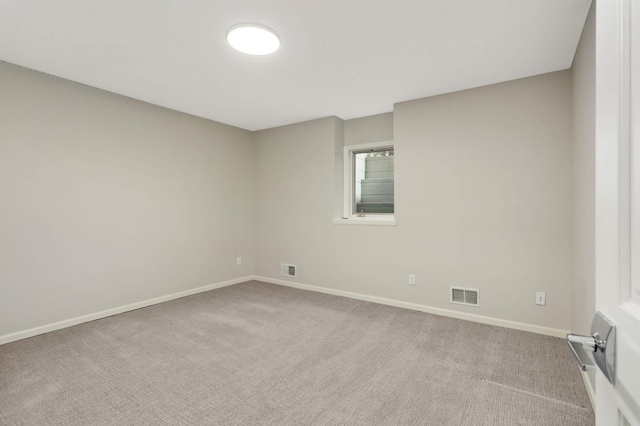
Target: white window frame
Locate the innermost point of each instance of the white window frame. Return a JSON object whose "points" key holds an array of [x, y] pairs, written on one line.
{"points": [[348, 218]]}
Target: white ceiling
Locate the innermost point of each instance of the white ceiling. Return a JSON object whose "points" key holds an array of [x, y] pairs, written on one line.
{"points": [[347, 58]]}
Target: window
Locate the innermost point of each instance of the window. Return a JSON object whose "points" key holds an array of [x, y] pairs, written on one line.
{"points": [[369, 183]]}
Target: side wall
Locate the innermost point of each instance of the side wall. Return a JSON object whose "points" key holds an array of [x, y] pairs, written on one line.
{"points": [[483, 200], [107, 201], [584, 194], [583, 300]]}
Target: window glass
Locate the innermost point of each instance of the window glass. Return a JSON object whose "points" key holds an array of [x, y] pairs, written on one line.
{"points": [[373, 181]]}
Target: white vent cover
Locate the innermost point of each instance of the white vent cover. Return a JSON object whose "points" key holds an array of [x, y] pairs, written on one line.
{"points": [[288, 270], [465, 296]]}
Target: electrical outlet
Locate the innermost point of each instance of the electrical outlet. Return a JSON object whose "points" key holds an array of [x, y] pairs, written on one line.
{"points": [[541, 298], [412, 279], [239, 261]]}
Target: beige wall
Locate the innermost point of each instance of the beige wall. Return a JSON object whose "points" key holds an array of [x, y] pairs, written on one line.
{"points": [[483, 199], [583, 300], [295, 198], [374, 128], [106, 201]]}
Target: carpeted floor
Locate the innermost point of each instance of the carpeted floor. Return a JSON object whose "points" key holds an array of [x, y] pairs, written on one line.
{"points": [[261, 354]]}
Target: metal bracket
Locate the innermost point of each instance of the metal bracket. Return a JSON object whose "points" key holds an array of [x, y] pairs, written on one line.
{"points": [[601, 344]]}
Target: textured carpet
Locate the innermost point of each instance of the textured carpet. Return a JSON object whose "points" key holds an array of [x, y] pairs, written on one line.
{"points": [[257, 353]]}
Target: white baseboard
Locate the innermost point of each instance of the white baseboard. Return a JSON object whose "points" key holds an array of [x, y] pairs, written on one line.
{"points": [[589, 385], [422, 308], [7, 338]]}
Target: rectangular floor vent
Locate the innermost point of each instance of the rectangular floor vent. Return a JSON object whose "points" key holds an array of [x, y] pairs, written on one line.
{"points": [[288, 270], [465, 296]]}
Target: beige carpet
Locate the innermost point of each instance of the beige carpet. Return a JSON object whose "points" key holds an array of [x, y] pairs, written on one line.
{"points": [[260, 354]]}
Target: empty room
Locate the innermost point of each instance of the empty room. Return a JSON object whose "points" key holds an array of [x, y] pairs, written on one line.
{"points": [[319, 213]]}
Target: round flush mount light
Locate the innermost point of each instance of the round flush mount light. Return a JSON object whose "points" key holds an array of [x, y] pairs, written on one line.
{"points": [[253, 39]]}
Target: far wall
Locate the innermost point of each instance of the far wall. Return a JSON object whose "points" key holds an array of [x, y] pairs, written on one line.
{"points": [[483, 200]]}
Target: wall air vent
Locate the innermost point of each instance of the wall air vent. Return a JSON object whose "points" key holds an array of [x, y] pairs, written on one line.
{"points": [[288, 270], [465, 296]]}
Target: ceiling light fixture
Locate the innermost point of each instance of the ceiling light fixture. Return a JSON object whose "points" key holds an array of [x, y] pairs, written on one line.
{"points": [[253, 39]]}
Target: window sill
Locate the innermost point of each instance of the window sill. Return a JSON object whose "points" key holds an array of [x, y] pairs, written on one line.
{"points": [[367, 220]]}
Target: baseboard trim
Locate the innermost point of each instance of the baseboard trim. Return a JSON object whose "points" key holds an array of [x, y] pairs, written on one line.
{"points": [[590, 389], [8, 338], [422, 308]]}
